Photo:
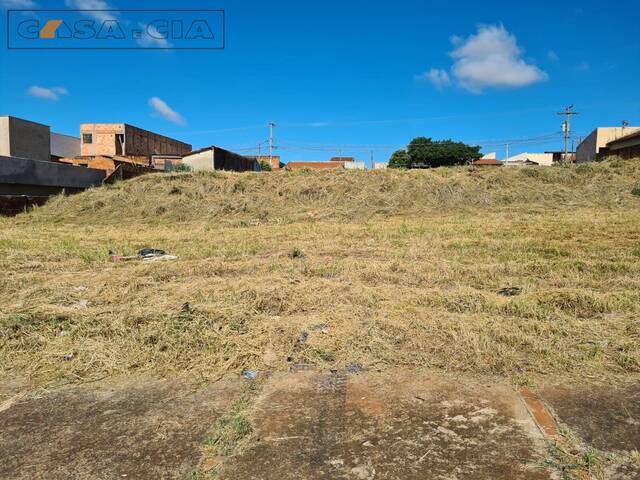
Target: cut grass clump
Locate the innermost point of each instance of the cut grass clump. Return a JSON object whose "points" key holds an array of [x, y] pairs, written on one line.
{"points": [[229, 432]]}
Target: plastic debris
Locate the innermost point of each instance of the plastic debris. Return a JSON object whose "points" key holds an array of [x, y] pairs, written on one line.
{"points": [[145, 254], [159, 258], [151, 252], [249, 374], [68, 357], [509, 291]]}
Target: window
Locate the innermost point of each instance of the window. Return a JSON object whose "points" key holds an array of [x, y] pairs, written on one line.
{"points": [[87, 138]]}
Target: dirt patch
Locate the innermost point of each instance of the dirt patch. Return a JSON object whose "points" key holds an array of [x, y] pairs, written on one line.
{"points": [[136, 429], [334, 426], [605, 417]]}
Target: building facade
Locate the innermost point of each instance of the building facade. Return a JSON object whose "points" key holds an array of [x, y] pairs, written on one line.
{"points": [[121, 139], [625, 147], [64, 146], [24, 139], [216, 158], [590, 148], [526, 158]]}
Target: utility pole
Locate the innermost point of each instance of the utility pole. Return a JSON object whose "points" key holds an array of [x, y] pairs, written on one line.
{"points": [[506, 153], [271, 125], [566, 127]]}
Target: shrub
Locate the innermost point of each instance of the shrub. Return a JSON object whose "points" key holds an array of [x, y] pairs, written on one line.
{"points": [[181, 167], [265, 166]]}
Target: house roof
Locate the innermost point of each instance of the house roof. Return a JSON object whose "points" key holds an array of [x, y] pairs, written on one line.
{"points": [[200, 150], [313, 165], [487, 161]]}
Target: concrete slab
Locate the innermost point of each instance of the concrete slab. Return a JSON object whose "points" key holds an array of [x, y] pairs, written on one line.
{"points": [[133, 429], [342, 426], [606, 417]]}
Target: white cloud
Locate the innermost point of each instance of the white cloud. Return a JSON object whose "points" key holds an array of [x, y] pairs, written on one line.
{"points": [[489, 59], [492, 58], [52, 93], [552, 56], [93, 5], [18, 4], [438, 77], [165, 111]]}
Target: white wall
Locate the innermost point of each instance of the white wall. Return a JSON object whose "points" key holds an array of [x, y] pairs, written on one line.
{"points": [[354, 165], [198, 162]]}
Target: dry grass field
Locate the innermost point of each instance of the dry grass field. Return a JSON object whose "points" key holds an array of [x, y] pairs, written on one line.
{"points": [[386, 268]]}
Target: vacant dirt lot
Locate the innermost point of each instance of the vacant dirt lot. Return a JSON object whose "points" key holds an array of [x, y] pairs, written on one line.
{"points": [[523, 276]]}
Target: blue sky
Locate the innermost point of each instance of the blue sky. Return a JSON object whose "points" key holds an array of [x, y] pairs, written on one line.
{"points": [[356, 78]]}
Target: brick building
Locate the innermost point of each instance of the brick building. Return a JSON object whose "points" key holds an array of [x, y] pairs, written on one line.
{"points": [[121, 139]]}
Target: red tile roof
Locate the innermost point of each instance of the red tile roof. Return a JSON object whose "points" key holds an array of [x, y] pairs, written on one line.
{"points": [[487, 161]]}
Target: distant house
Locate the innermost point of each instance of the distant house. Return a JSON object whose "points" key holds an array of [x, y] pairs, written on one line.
{"points": [[527, 158], [487, 162], [216, 158], [273, 160], [302, 165], [334, 162], [380, 165], [354, 165], [121, 139], [590, 148], [558, 156], [625, 147]]}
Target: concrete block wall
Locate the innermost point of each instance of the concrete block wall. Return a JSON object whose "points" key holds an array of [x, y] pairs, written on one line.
{"points": [[64, 145], [143, 142], [24, 139]]}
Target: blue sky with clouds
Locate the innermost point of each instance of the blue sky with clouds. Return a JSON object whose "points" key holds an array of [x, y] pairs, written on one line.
{"points": [[357, 78]]}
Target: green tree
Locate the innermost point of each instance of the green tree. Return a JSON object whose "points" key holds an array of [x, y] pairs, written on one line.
{"points": [[425, 152], [265, 166], [399, 159]]}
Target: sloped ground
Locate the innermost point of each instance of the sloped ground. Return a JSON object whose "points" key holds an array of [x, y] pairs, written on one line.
{"points": [[397, 271], [383, 268]]}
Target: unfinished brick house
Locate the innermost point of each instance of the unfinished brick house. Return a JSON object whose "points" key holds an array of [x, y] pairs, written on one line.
{"points": [[121, 139]]}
